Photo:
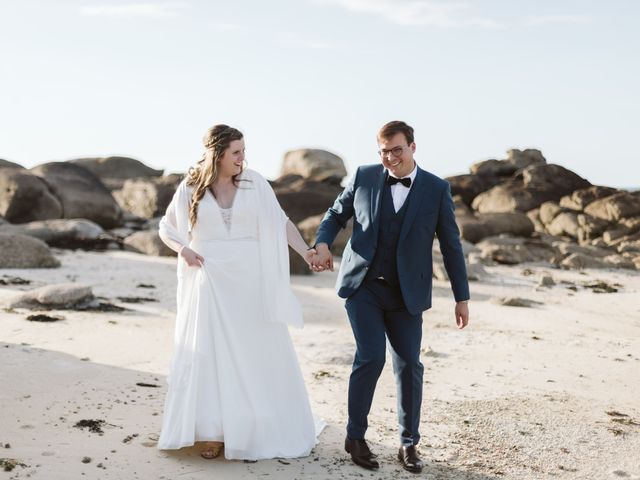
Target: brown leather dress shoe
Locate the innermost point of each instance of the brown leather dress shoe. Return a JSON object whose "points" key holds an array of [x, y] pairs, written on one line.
{"points": [[410, 460], [360, 453]]}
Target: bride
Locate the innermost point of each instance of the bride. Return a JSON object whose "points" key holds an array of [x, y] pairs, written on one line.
{"points": [[234, 380]]}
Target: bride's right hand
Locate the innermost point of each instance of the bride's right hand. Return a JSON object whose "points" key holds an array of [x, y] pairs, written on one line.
{"points": [[191, 257]]}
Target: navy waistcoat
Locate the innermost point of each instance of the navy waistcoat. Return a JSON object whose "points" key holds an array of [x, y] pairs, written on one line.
{"points": [[384, 262]]}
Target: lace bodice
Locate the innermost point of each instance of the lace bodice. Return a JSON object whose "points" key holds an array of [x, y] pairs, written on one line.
{"points": [[239, 221], [226, 217]]}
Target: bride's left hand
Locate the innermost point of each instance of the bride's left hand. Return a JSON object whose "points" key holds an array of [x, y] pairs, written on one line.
{"points": [[310, 257]]}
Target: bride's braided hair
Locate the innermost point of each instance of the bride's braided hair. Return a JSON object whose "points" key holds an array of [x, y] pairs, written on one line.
{"points": [[216, 141]]}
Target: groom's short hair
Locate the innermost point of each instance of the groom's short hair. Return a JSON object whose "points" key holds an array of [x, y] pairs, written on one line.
{"points": [[396, 126]]}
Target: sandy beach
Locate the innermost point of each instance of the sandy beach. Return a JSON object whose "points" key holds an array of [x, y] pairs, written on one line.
{"points": [[549, 391], [489, 143]]}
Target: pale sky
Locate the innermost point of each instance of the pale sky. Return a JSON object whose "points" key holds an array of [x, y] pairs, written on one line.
{"points": [[474, 78]]}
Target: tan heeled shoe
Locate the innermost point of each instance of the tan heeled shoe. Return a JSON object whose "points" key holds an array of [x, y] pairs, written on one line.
{"points": [[211, 450]]}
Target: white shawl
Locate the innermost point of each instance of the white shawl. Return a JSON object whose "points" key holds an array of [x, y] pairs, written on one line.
{"points": [[279, 302]]}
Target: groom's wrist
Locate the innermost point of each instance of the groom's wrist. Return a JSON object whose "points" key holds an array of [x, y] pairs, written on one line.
{"points": [[321, 246]]}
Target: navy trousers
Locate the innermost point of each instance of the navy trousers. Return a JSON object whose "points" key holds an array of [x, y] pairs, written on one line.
{"points": [[377, 313]]}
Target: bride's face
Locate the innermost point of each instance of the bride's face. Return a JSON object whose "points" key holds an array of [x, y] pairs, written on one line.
{"points": [[232, 159]]}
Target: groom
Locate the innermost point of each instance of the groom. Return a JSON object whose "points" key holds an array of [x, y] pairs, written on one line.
{"points": [[385, 276]]}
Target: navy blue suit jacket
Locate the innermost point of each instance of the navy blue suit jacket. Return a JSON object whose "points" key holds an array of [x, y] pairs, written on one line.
{"points": [[430, 211]]}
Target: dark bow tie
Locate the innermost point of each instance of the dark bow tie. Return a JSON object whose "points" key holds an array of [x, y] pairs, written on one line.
{"points": [[404, 181]]}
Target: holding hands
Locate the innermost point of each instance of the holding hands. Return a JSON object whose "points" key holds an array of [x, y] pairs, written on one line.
{"points": [[310, 257], [319, 258]]}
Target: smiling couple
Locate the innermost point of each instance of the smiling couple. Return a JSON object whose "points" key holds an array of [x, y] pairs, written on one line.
{"points": [[234, 380]]}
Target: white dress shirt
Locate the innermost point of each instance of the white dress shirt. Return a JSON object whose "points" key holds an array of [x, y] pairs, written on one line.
{"points": [[399, 192]]}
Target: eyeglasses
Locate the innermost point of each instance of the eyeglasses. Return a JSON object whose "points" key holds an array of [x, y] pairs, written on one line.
{"points": [[395, 151]]}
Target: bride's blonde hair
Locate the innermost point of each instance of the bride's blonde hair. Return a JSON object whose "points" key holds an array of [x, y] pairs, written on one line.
{"points": [[216, 141]]}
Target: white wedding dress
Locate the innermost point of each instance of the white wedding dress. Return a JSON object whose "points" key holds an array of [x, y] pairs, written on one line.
{"points": [[234, 377]]}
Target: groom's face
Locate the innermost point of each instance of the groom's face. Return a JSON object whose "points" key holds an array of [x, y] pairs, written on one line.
{"points": [[396, 154]]}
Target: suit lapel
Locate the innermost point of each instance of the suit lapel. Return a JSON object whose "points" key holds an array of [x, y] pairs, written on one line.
{"points": [[415, 200], [376, 196]]}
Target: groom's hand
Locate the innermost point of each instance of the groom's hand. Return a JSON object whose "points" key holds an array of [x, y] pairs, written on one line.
{"points": [[462, 314], [323, 260]]}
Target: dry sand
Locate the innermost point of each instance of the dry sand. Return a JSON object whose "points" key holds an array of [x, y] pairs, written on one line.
{"points": [[522, 393]]}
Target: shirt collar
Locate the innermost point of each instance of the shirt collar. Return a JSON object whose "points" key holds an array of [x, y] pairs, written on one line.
{"points": [[412, 175]]}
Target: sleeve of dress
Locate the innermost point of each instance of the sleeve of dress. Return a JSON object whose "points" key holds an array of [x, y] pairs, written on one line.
{"points": [[281, 305], [169, 229]]}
